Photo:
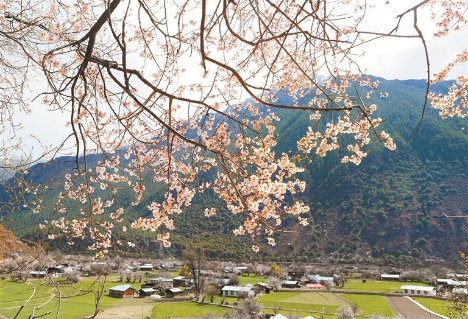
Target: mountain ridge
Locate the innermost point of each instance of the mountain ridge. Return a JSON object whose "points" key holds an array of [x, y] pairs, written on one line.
{"points": [[354, 209]]}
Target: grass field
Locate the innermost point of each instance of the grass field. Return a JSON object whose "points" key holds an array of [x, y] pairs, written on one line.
{"points": [[73, 305], [436, 305], [370, 304], [186, 309], [244, 280], [378, 286]]}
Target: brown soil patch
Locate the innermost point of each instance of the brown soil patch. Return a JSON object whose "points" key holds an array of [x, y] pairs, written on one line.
{"points": [[129, 308]]}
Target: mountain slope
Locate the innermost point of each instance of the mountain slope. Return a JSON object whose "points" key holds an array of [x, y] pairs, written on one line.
{"points": [[391, 206]]}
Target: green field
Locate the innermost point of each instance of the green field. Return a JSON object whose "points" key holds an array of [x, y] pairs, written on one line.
{"points": [[74, 302], [370, 304], [244, 280], [378, 286], [436, 305]]}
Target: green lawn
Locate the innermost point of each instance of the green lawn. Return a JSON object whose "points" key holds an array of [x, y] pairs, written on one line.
{"points": [[378, 286], [186, 309], [244, 280], [75, 303], [436, 305], [370, 304]]}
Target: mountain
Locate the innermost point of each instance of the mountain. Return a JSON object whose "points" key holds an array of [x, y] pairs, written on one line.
{"points": [[391, 208], [10, 244]]}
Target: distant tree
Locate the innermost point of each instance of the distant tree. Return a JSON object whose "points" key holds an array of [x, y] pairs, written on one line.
{"points": [[329, 285], [211, 290], [275, 270], [274, 282], [99, 269], [121, 276], [195, 261], [250, 269], [345, 312], [249, 308], [185, 271], [72, 277], [9, 265], [22, 275], [234, 279]]}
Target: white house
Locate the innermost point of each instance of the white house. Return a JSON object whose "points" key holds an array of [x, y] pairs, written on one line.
{"points": [[235, 291], [390, 277], [418, 290]]}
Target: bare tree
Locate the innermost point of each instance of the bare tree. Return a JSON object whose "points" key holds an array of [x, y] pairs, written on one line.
{"points": [[212, 290], [72, 276], [345, 312], [274, 282], [195, 261]]}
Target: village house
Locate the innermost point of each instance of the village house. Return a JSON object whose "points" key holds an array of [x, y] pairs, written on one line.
{"points": [[390, 277], [146, 267], [449, 284], [147, 292], [296, 275], [178, 281], [418, 290], [314, 286], [38, 274], [235, 291], [290, 284], [317, 279], [162, 282], [173, 292], [56, 271], [122, 291], [262, 288]]}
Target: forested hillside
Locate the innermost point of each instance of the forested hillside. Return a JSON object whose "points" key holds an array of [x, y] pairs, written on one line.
{"points": [[391, 207]]}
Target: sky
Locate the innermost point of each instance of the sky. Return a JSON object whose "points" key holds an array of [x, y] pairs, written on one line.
{"points": [[387, 58], [404, 58]]}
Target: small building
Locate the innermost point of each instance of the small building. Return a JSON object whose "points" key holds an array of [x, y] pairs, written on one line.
{"points": [[38, 274], [290, 284], [262, 288], [178, 281], [240, 269], [418, 290], [146, 267], [317, 279], [173, 292], [449, 284], [314, 286], [296, 275], [147, 292], [235, 291], [122, 291], [162, 282], [460, 291], [56, 271], [390, 277]]}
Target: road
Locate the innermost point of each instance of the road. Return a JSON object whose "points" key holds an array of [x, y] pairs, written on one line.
{"points": [[405, 308]]}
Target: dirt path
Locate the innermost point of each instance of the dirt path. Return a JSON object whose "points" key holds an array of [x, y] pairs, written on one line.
{"points": [[407, 309], [129, 308]]}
